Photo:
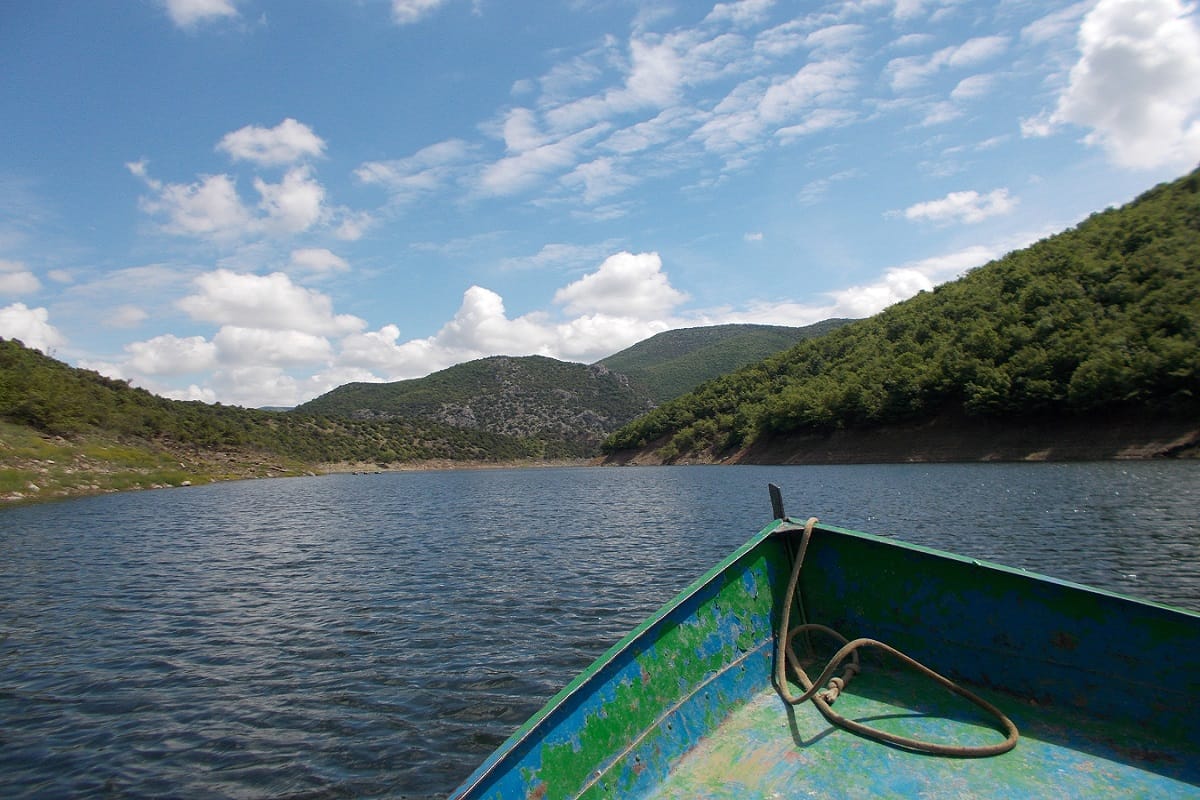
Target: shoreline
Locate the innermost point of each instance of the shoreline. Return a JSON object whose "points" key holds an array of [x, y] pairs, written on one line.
{"points": [[961, 439]]}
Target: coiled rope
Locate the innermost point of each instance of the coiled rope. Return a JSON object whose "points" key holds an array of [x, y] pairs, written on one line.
{"points": [[823, 698]]}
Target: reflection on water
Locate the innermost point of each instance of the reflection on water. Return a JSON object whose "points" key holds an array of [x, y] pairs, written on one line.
{"points": [[379, 635]]}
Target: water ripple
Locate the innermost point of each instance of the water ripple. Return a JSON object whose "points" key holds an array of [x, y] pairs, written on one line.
{"points": [[369, 636]]}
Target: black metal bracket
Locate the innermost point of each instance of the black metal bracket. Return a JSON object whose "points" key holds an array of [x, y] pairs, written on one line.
{"points": [[776, 501]]}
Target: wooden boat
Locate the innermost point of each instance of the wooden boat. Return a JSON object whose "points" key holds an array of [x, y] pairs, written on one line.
{"points": [[1030, 686]]}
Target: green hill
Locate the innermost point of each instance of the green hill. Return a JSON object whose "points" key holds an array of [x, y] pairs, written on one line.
{"points": [[530, 396], [672, 363], [1098, 322], [67, 431]]}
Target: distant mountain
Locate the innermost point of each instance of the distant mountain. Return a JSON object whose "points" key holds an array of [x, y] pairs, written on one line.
{"points": [[523, 397], [675, 362]]}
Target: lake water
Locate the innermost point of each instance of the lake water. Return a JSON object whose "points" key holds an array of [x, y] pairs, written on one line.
{"points": [[379, 635]]}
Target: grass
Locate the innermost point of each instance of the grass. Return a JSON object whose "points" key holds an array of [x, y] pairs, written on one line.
{"points": [[35, 466]]}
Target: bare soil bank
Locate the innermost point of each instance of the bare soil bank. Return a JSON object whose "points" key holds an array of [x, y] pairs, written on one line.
{"points": [[956, 438]]}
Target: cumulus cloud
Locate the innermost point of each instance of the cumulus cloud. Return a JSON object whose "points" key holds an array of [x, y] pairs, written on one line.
{"points": [[171, 355], [626, 285], [190, 13], [294, 204], [272, 302], [30, 325], [278, 348], [1136, 85], [967, 207], [16, 279], [211, 207], [287, 142], [607, 310]]}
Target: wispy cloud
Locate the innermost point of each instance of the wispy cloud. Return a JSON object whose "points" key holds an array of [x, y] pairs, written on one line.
{"points": [[191, 13]]}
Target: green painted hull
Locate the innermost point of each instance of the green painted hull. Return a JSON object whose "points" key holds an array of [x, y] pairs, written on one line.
{"points": [[1103, 688]]}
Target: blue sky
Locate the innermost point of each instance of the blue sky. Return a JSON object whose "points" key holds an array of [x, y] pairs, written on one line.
{"points": [[256, 201]]}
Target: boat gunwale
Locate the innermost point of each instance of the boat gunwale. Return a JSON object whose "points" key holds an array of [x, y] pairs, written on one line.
{"points": [[607, 658], [789, 524]]}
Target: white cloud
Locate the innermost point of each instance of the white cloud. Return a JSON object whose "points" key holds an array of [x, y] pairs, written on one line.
{"points": [[294, 204], [625, 285], [968, 207], [375, 350], [353, 224], [909, 72], [653, 75], [171, 355], [741, 12], [16, 279], [809, 100], [599, 179], [287, 142], [210, 207], [608, 310], [902, 282], [895, 285], [272, 302], [481, 325], [972, 87], [1136, 85], [816, 83], [518, 172], [819, 120], [30, 325], [1056, 24], [257, 386], [248, 346], [189, 13], [406, 12], [318, 259]]}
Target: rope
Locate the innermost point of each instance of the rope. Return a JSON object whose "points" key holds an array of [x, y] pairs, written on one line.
{"points": [[823, 698]]}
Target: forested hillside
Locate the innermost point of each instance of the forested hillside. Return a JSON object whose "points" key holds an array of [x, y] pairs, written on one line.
{"points": [[672, 363], [1102, 318]]}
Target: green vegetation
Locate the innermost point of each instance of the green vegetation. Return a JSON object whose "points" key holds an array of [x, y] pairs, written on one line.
{"points": [[673, 363], [1103, 317], [562, 404], [69, 431]]}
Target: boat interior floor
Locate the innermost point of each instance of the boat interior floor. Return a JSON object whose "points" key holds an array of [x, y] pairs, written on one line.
{"points": [[767, 749]]}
